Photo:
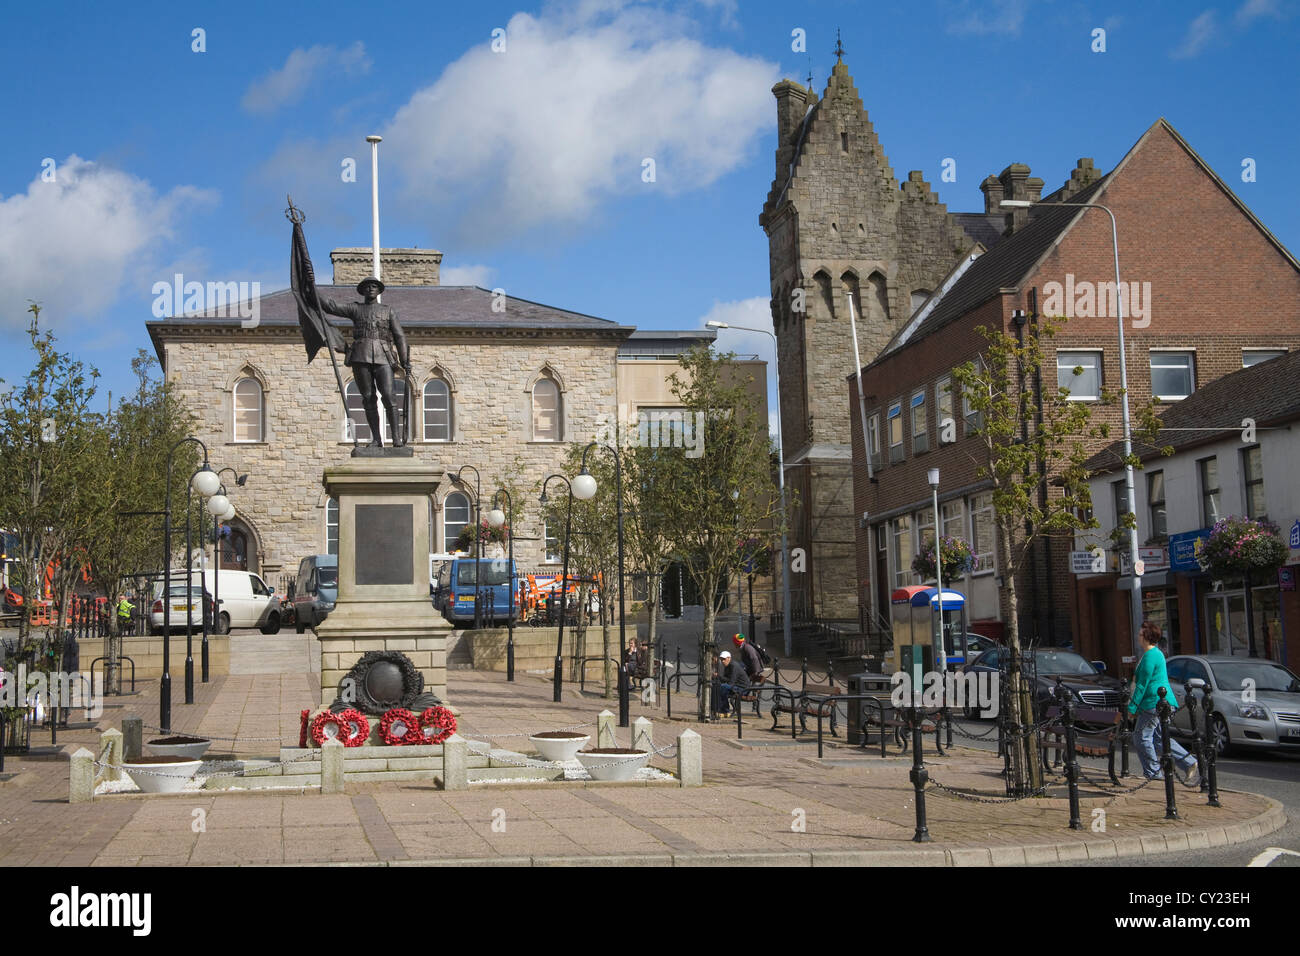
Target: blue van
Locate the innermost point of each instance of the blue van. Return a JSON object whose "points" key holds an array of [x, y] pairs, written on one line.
{"points": [[498, 578]]}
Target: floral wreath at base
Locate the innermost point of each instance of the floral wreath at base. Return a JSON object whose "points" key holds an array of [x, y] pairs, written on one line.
{"points": [[439, 717], [398, 717], [354, 727], [323, 720], [304, 728]]}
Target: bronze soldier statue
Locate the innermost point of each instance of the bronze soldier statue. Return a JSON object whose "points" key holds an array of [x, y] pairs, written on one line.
{"points": [[378, 346]]}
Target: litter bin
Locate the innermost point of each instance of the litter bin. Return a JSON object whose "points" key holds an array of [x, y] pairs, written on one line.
{"points": [[877, 685]]}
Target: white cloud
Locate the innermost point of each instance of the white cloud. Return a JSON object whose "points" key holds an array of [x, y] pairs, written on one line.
{"points": [[465, 275], [1252, 10], [755, 313], [982, 19], [73, 243], [562, 120], [1199, 33], [286, 85]]}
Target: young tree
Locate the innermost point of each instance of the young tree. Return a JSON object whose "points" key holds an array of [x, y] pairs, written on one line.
{"points": [[648, 500], [1034, 460], [724, 493]]}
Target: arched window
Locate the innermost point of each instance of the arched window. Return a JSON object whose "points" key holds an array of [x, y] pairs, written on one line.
{"points": [[248, 410], [357, 413], [546, 410], [437, 411], [332, 526], [455, 516]]}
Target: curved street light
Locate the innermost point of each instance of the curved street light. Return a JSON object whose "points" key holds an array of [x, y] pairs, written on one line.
{"points": [[623, 676], [478, 504], [557, 677], [497, 519]]}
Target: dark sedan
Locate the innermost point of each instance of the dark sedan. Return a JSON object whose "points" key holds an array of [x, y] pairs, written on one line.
{"points": [[1085, 682]]}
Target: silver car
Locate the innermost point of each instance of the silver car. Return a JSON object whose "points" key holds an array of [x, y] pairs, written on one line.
{"points": [[1256, 701]]}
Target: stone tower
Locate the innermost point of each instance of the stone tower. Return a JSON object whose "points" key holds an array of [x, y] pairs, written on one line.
{"points": [[838, 222]]}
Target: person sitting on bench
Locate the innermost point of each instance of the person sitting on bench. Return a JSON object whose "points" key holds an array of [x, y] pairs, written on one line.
{"points": [[732, 684], [749, 657]]}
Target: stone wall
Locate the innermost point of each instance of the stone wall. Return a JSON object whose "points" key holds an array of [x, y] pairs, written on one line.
{"points": [[400, 266], [147, 652]]}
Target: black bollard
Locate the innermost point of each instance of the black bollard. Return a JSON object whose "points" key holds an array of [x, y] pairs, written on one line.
{"points": [[1071, 756], [803, 688], [1196, 729], [919, 776], [1166, 759], [510, 655], [1212, 750]]}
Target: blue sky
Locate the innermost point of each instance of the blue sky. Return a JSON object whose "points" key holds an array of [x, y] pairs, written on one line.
{"points": [[525, 165]]}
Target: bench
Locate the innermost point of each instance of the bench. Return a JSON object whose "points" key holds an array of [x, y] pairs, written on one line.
{"points": [[1095, 733], [898, 721], [809, 702]]}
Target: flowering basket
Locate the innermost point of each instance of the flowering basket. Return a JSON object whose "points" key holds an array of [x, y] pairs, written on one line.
{"points": [[356, 729], [958, 559], [486, 533], [396, 726], [436, 725], [1240, 546]]}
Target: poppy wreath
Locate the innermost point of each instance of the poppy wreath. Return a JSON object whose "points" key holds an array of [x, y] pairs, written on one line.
{"points": [[354, 729], [323, 720], [398, 717], [436, 717]]}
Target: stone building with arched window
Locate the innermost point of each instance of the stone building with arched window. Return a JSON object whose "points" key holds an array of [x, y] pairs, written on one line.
{"points": [[499, 383]]}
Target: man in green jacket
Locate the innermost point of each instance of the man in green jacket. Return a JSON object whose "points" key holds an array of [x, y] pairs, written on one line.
{"points": [[1147, 681]]}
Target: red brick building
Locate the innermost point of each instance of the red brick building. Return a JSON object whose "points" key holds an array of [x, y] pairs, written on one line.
{"points": [[1205, 282]]}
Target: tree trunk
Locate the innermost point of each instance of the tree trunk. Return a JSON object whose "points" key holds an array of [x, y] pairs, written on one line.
{"points": [[1026, 768], [707, 649]]}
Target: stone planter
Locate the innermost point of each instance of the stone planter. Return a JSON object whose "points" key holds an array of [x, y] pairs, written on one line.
{"points": [[162, 774], [559, 746], [191, 748], [612, 763]]}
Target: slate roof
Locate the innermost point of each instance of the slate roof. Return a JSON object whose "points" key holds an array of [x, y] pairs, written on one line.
{"points": [[1266, 392], [433, 307], [984, 227], [1003, 266]]}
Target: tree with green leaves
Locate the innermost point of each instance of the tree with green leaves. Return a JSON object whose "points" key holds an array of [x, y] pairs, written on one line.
{"points": [[648, 501], [723, 492], [1034, 460]]}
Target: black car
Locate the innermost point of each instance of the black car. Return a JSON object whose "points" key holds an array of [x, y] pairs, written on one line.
{"points": [[1084, 679]]}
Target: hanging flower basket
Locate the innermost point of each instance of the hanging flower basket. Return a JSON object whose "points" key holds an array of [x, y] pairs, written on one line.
{"points": [[1240, 546], [958, 559], [487, 535]]}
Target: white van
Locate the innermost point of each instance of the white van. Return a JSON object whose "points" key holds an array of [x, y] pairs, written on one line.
{"points": [[245, 601]]}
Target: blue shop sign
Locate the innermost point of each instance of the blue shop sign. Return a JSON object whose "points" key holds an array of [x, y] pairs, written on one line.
{"points": [[1295, 534], [1182, 550]]}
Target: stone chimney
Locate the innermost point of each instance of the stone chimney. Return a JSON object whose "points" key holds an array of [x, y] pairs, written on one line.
{"points": [[1083, 176], [1015, 183], [992, 190], [791, 105], [400, 266]]}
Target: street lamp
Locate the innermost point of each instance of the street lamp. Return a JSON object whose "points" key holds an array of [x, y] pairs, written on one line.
{"points": [[780, 457], [623, 676], [206, 482], [478, 596], [497, 519], [940, 658], [226, 515], [584, 491], [1135, 605]]}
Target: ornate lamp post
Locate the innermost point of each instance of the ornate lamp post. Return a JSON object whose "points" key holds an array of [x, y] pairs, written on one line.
{"points": [[940, 657], [623, 690], [583, 490], [226, 515], [497, 519], [478, 615], [217, 504]]}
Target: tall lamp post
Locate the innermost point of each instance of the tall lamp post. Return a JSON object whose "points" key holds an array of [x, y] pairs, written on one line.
{"points": [[780, 457], [497, 519], [206, 483], [217, 504], [1135, 605], [226, 515], [623, 689], [478, 596], [582, 490], [940, 658]]}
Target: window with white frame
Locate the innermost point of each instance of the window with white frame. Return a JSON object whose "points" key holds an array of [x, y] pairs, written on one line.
{"points": [[1156, 513], [873, 433], [895, 432], [1251, 357], [248, 410], [943, 406], [455, 516], [357, 413], [952, 514], [332, 526], [546, 410], [1211, 494], [552, 544], [901, 552], [437, 411], [1080, 374], [920, 432], [1173, 375], [982, 530], [1252, 476]]}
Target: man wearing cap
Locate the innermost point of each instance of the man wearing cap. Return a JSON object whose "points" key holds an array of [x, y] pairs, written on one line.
{"points": [[378, 346], [732, 684], [749, 658]]}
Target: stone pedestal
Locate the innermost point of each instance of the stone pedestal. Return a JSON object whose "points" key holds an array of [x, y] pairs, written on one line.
{"points": [[383, 599]]}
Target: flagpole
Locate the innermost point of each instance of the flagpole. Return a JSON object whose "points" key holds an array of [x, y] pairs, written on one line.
{"points": [[374, 142]]}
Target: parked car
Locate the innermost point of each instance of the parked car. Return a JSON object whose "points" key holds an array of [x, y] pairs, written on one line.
{"points": [[1085, 680], [1270, 721], [315, 590], [195, 608], [245, 601]]}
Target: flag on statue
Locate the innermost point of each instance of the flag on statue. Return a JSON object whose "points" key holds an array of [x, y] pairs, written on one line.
{"points": [[317, 333]]}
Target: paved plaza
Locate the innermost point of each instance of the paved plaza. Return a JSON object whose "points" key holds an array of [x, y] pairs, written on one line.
{"points": [[758, 795]]}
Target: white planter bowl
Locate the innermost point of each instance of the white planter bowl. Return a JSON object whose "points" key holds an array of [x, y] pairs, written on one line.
{"points": [[165, 777], [193, 751], [612, 766], [559, 749]]}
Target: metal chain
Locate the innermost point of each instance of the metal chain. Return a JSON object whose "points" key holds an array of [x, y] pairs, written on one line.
{"points": [[494, 736], [974, 798]]}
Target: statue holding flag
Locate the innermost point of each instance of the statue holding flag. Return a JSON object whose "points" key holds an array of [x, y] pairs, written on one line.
{"points": [[378, 342]]}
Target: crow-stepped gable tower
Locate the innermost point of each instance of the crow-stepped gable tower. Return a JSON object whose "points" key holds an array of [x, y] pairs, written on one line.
{"points": [[838, 222]]}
